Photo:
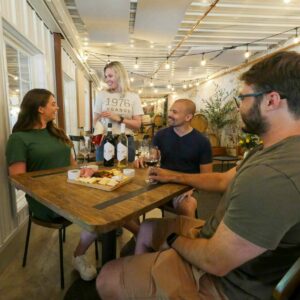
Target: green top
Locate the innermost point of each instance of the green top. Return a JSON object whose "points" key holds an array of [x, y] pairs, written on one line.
{"points": [[262, 205], [40, 151]]}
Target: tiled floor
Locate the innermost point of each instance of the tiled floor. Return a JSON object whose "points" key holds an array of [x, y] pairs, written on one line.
{"points": [[40, 278]]}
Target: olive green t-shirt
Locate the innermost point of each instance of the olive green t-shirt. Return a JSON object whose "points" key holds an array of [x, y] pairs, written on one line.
{"points": [[262, 205], [40, 151]]}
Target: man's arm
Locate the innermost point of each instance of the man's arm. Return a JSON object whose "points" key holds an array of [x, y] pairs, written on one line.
{"points": [[207, 168], [211, 182], [220, 254]]}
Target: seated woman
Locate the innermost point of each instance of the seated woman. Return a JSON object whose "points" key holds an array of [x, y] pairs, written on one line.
{"points": [[38, 144]]}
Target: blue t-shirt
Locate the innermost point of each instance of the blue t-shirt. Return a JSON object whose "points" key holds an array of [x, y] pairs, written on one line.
{"points": [[183, 154]]}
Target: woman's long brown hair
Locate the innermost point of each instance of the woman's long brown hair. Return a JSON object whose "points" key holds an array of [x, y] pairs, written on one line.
{"points": [[29, 116]]}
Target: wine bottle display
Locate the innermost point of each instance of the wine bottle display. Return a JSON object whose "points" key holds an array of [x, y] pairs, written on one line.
{"points": [[109, 148], [122, 148]]}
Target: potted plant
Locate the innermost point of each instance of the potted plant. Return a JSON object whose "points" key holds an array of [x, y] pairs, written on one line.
{"points": [[220, 110]]}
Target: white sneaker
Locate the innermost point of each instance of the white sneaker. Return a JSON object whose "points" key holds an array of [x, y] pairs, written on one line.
{"points": [[87, 272]]}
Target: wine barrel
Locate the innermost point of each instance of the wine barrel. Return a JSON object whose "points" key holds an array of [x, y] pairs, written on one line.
{"points": [[199, 122], [213, 140], [158, 121]]}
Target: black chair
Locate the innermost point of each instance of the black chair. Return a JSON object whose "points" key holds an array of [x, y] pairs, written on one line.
{"points": [[288, 288], [61, 224], [76, 139]]}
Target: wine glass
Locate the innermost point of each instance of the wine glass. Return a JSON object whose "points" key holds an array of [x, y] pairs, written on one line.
{"points": [[151, 158], [84, 150]]}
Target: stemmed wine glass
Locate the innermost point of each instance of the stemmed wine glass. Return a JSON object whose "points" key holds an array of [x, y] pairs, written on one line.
{"points": [[84, 150], [151, 158]]}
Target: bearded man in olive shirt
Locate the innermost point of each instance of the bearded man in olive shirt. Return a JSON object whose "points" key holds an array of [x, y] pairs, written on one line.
{"points": [[254, 236]]}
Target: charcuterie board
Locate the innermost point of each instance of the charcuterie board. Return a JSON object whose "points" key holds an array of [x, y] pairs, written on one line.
{"points": [[103, 187]]}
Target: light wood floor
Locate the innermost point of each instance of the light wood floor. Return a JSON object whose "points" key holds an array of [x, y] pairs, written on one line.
{"points": [[40, 278]]}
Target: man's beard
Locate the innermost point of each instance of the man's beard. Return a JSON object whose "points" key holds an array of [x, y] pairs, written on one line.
{"points": [[254, 122], [174, 123]]}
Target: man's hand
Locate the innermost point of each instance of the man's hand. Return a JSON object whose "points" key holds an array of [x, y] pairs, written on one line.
{"points": [[162, 175], [139, 163]]}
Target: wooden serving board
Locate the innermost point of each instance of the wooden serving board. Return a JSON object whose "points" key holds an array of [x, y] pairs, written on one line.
{"points": [[101, 186]]}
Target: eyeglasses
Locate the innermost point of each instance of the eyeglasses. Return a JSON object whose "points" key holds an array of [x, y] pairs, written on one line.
{"points": [[241, 97]]}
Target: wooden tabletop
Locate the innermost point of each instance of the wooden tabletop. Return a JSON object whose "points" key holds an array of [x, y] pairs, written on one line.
{"points": [[93, 209]]}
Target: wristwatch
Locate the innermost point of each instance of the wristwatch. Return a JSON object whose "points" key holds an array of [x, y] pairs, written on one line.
{"points": [[171, 238], [121, 120]]}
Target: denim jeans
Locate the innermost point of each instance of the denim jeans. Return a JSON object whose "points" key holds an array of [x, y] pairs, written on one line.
{"points": [[131, 150]]}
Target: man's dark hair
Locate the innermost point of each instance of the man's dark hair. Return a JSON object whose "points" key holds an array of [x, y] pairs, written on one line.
{"points": [[281, 73]]}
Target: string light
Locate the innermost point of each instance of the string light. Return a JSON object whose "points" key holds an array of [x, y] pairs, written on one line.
{"points": [[167, 65], [296, 38], [136, 65], [85, 56], [247, 53], [203, 61]]}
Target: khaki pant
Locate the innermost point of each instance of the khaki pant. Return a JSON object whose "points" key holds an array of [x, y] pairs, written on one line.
{"points": [[165, 274]]}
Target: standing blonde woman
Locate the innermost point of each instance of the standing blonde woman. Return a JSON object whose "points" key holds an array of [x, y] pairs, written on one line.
{"points": [[118, 105], [38, 144]]}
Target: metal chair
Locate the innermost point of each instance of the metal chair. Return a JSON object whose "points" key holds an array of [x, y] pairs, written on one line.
{"points": [[288, 287], [61, 224]]}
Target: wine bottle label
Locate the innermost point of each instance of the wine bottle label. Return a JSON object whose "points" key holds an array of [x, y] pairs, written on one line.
{"points": [[109, 151], [122, 152]]}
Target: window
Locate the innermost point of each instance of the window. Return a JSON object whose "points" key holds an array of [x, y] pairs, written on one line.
{"points": [[18, 71]]}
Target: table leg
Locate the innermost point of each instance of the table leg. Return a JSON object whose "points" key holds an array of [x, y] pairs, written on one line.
{"points": [[109, 246]]}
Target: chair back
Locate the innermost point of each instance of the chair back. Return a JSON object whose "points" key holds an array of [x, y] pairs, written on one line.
{"points": [[288, 288], [199, 122], [76, 140]]}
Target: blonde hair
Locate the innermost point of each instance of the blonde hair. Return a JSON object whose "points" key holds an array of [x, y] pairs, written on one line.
{"points": [[122, 76]]}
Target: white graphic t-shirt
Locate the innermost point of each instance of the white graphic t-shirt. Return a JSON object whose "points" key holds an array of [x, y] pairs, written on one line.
{"points": [[127, 107]]}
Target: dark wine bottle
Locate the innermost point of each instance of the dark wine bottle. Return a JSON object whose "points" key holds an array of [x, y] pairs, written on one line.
{"points": [[108, 148]]}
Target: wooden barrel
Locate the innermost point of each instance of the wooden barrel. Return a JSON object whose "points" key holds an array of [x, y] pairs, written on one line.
{"points": [[199, 122], [213, 139], [158, 121]]}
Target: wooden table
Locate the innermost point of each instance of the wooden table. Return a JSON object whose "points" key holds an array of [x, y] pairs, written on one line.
{"points": [[93, 209]]}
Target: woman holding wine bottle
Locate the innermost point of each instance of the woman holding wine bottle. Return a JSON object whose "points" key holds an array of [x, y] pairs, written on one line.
{"points": [[118, 105]]}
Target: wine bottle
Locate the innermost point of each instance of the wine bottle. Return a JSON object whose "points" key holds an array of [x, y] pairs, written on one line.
{"points": [[122, 148], [109, 148]]}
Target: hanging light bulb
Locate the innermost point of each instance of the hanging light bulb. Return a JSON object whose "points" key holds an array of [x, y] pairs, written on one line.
{"points": [[155, 91], [197, 83], [247, 53], [16, 77], [190, 85], [203, 61], [296, 38], [108, 60], [286, 1], [85, 56], [136, 65], [140, 91], [169, 86], [167, 65], [151, 83], [132, 79], [184, 85]]}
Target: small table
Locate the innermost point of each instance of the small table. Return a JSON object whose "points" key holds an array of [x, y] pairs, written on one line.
{"points": [[227, 159]]}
